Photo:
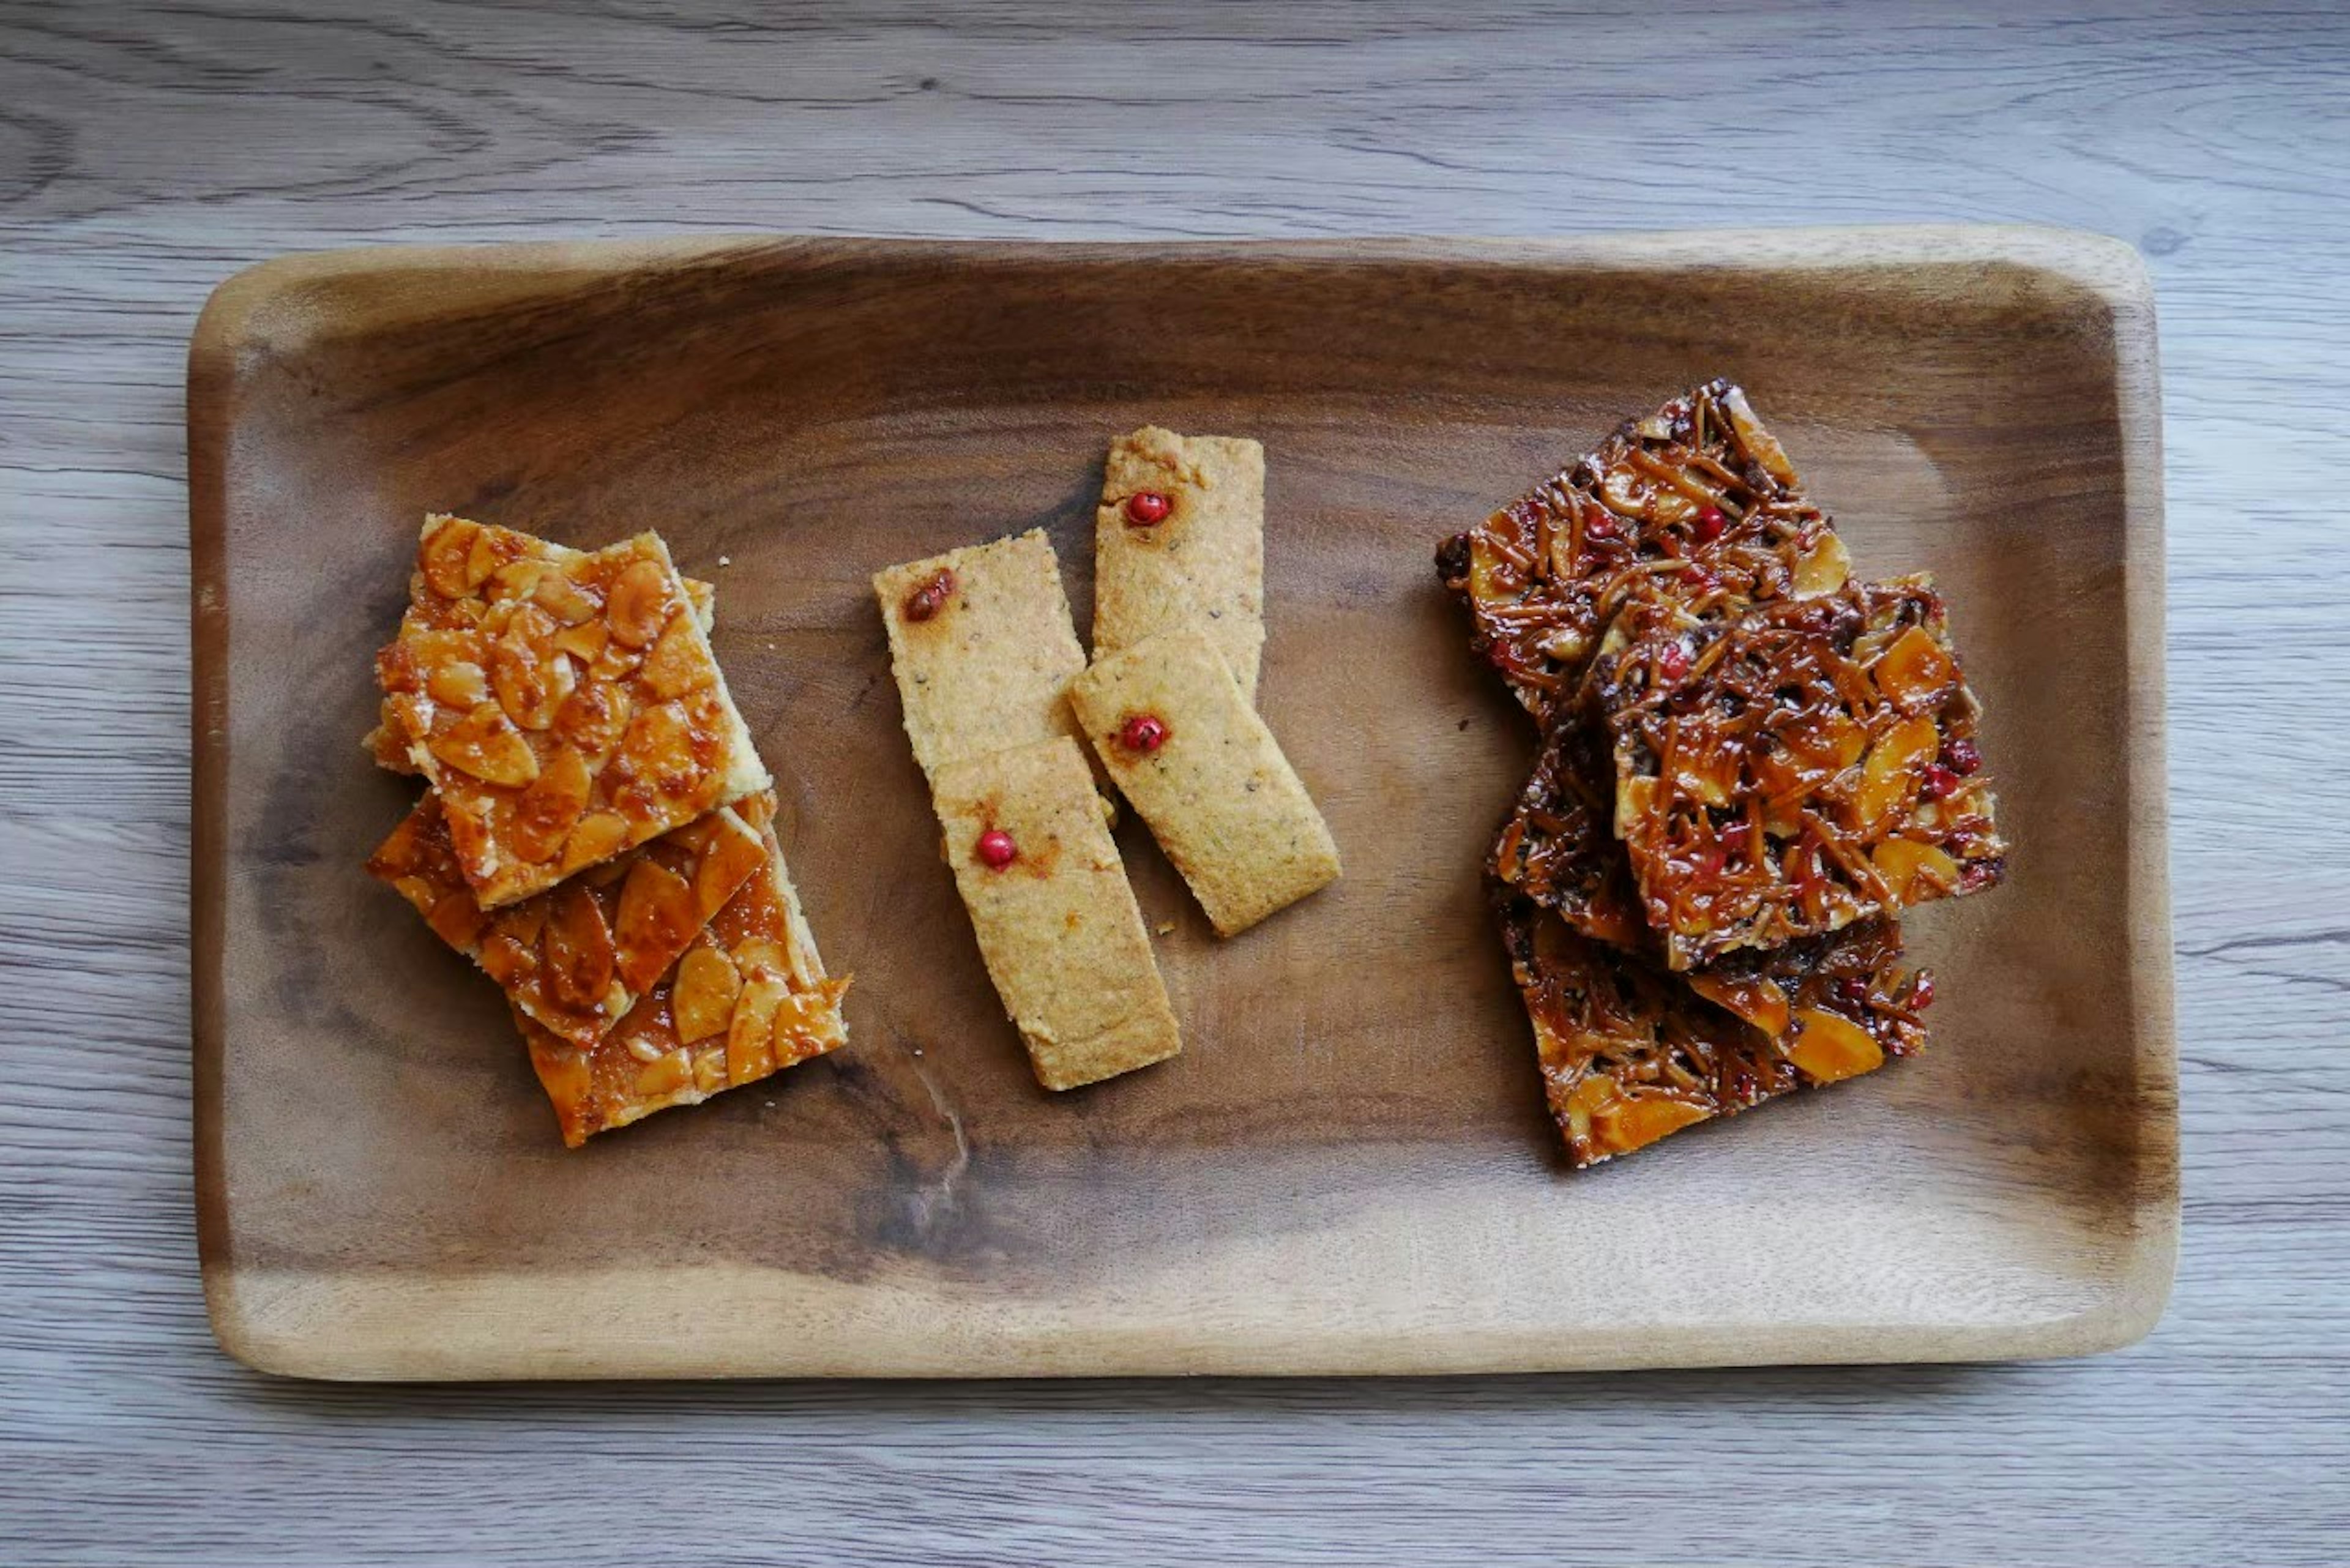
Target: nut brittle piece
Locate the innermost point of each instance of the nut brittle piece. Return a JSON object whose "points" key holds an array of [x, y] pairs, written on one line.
{"points": [[1631, 1052], [1697, 498], [563, 710], [576, 958], [1785, 769], [1178, 538], [748, 998]]}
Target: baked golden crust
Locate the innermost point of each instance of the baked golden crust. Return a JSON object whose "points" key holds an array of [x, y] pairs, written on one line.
{"points": [[563, 709], [578, 957], [748, 998], [1786, 768]]}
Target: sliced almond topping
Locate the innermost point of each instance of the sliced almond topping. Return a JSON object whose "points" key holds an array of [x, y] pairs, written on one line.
{"points": [[749, 1044], [531, 678], [549, 809], [576, 951], [565, 601], [591, 720], [515, 580], [1824, 570], [668, 1075], [484, 744], [640, 604], [655, 921], [489, 553], [710, 1069], [702, 997], [597, 839], [1636, 1121], [1831, 1046], [677, 664], [583, 642], [459, 685], [1915, 671], [1891, 775], [659, 752], [457, 920], [443, 555], [735, 854], [1916, 872], [806, 1025]]}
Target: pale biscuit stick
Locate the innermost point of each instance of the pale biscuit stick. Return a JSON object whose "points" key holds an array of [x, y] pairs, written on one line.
{"points": [[1056, 921], [983, 647], [1197, 762], [1202, 560]]}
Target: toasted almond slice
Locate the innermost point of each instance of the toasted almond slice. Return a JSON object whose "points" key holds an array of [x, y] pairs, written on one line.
{"points": [[655, 920], [750, 1044], [1829, 1046], [532, 679], [1824, 570], [549, 809], [640, 604], [1891, 771], [732, 855], [1915, 671], [459, 685], [702, 1001], [677, 664], [445, 554], [576, 951], [487, 745], [1916, 872], [597, 839]]}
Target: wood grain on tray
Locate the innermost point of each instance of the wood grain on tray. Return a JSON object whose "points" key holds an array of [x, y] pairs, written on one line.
{"points": [[1352, 1113]]}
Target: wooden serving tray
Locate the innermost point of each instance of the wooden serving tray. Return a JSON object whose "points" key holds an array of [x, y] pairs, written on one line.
{"points": [[1349, 1168]]}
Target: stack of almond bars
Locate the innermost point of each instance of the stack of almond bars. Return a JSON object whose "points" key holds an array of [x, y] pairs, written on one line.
{"points": [[1750, 763], [597, 833]]}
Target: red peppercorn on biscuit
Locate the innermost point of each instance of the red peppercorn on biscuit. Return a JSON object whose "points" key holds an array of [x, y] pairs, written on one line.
{"points": [[983, 647], [1180, 536], [576, 958], [1056, 922], [1697, 497], [390, 752], [1194, 759], [748, 998], [1631, 1053], [1784, 770], [563, 710]]}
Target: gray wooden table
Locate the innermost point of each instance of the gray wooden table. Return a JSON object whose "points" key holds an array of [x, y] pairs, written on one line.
{"points": [[148, 151]]}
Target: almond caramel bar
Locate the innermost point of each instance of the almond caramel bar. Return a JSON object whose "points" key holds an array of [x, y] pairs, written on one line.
{"points": [[578, 957], [1697, 497], [1631, 1053], [1180, 537], [1786, 769], [748, 998], [563, 710]]}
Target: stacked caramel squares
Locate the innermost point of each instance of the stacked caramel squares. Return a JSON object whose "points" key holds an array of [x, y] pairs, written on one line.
{"points": [[597, 832], [1749, 764]]}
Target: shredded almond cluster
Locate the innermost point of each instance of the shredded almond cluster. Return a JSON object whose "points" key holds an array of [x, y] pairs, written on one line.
{"points": [[1748, 763]]}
